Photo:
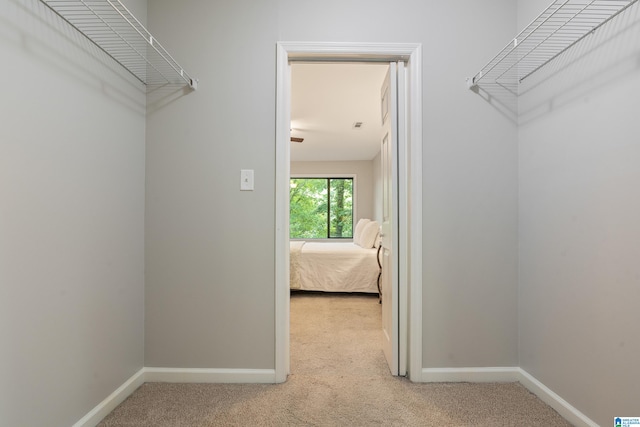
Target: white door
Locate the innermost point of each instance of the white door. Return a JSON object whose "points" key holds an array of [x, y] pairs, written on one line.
{"points": [[389, 278]]}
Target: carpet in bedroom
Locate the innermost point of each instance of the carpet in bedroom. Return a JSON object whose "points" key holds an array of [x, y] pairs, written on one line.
{"points": [[338, 378]]}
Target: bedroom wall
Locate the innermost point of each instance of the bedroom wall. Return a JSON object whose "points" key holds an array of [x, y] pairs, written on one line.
{"points": [[71, 220], [202, 231], [364, 180], [579, 210]]}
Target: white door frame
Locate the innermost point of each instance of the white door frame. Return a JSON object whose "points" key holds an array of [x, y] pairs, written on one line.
{"points": [[409, 182]]}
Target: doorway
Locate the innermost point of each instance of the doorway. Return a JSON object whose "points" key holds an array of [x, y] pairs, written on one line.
{"points": [[409, 304], [337, 183]]}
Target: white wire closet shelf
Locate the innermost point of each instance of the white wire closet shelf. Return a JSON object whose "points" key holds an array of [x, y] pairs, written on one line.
{"points": [[560, 26], [114, 29]]}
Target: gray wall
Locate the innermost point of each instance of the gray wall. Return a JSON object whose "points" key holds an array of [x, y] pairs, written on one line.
{"points": [[469, 190], [204, 307], [579, 232], [71, 220], [364, 180], [209, 247]]}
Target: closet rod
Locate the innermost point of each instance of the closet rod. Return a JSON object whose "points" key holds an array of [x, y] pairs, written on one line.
{"points": [[115, 30]]}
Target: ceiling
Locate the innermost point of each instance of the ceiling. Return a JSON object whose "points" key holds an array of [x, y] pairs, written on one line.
{"points": [[327, 99]]}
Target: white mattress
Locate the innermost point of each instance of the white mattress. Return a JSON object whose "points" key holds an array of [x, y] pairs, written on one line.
{"points": [[333, 267]]}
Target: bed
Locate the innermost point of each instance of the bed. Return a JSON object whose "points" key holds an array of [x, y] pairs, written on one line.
{"points": [[337, 266], [333, 267]]}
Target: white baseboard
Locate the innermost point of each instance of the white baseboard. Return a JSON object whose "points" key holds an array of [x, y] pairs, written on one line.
{"points": [[114, 399], [552, 399], [472, 375], [510, 374], [188, 375], [176, 375]]}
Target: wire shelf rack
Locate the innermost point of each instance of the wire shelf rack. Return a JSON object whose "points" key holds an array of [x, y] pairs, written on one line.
{"points": [[560, 26], [114, 29]]}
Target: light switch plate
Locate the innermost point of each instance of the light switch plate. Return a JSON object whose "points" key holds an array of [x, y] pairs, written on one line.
{"points": [[246, 180]]}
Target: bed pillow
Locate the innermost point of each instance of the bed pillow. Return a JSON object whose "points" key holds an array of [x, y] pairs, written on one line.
{"points": [[357, 233], [369, 234]]}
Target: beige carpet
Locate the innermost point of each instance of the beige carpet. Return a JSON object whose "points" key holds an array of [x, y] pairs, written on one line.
{"points": [[339, 378]]}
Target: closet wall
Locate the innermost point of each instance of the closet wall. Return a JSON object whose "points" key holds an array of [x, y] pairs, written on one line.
{"points": [[578, 223], [71, 220], [209, 247]]}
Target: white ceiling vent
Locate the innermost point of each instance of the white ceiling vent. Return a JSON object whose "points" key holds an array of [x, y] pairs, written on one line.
{"points": [[358, 125]]}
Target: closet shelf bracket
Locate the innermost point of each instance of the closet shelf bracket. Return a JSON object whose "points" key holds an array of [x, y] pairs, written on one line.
{"points": [[559, 27], [114, 29]]}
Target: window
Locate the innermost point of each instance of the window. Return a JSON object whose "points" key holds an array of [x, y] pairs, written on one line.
{"points": [[321, 208]]}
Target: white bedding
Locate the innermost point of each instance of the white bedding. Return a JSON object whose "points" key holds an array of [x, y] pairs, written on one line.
{"points": [[333, 267]]}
